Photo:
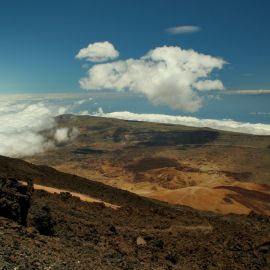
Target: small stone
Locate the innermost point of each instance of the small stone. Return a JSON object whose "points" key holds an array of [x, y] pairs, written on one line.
{"points": [[140, 241]]}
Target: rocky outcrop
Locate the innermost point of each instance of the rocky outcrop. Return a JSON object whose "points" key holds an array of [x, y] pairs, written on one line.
{"points": [[42, 221], [15, 199]]}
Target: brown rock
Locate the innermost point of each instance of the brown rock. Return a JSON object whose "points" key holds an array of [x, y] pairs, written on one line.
{"points": [[140, 241]]}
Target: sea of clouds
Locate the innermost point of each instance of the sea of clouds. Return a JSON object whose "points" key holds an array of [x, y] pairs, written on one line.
{"points": [[28, 128], [223, 124]]}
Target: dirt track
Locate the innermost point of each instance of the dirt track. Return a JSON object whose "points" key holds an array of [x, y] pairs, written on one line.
{"points": [[81, 196]]}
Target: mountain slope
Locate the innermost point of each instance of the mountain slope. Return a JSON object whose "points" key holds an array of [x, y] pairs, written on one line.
{"points": [[176, 164], [66, 233]]}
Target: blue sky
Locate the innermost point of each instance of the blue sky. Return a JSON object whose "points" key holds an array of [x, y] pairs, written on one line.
{"points": [[40, 39]]}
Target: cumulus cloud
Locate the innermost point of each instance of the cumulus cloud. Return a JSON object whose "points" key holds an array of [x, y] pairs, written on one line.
{"points": [[165, 75], [225, 124], [98, 52], [187, 29], [25, 127]]}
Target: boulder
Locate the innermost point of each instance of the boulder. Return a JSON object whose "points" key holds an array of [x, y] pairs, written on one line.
{"points": [[15, 199], [43, 221]]}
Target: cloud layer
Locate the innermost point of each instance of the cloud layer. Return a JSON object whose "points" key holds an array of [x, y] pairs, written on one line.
{"points": [[165, 75], [98, 52], [225, 124], [187, 29], [28, 129]]}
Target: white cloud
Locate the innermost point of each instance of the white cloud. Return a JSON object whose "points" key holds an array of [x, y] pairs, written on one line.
{"points": [[247, 92], [259, 113], [165, 75], [61, 135], [65, 134], [24, 127], [208, 85], [187, 29], [37, 97], [225, 124], [81, 102], [98, 52]]}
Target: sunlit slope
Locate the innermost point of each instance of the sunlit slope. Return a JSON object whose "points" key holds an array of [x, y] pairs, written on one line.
{"points": [[202, 168]]}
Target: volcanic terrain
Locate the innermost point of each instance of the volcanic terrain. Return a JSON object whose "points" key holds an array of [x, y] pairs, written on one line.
{"points": [[205, 169], [53, 220], [133, 195]]}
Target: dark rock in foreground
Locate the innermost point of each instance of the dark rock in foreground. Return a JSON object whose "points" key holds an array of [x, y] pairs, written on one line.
{"points": [[15, 199], [66, 233]]}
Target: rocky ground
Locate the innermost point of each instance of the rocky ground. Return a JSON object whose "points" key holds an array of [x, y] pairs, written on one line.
{"points": [[64, 232]]}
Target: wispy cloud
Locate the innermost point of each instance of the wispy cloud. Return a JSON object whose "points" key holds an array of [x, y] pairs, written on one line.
{"points": [[246, 92], [183, 29], [260, 113]]}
